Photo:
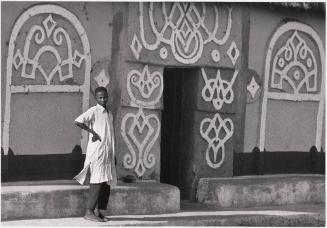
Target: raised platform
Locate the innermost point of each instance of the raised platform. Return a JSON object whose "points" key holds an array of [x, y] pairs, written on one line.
{"points": [[55, 199], [252, 191]]}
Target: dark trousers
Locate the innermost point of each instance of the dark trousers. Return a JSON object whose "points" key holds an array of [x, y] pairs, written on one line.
{"points": [[98, 196]]}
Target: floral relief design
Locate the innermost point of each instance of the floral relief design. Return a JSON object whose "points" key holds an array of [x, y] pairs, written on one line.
{"points": [[141, 131], [217, 90], [145, 83], [216, 132], [296, 65]]}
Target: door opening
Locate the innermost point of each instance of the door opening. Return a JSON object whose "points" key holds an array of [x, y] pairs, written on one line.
{"points": [[174, 137]]}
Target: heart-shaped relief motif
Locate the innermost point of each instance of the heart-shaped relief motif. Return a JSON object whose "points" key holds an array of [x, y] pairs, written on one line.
{"points": [[211, 130], [187, 45], [139, 147]]}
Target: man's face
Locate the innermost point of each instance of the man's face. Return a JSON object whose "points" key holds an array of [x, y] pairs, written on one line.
{"points": [[101, 98]]}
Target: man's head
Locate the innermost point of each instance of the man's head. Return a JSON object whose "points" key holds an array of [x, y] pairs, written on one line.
{"points": [[101, 96]]}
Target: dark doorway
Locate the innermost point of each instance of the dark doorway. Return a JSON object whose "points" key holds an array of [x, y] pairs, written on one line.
{"points": [[176, 114]]}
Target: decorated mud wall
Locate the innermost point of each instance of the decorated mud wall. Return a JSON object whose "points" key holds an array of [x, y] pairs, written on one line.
{"points": [[287, 53], [255, 77]]}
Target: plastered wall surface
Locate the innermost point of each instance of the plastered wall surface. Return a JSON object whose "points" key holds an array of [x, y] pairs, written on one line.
{"points": [[48, 114], [291, 134], [263, 23]]}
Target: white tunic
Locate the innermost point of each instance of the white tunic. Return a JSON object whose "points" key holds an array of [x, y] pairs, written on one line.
{"points": [[100, 155]]}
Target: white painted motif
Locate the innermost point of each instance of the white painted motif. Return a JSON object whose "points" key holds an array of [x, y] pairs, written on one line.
{"points": [[41, 34], [49, 29], [294, 63], [163, 53], [215, 55], [139, 157], [136, 47], [145, 83], [184, 30], [219, 87], [233, 53], [211, 130], [102, 79], [253, 87], [146, 127]]}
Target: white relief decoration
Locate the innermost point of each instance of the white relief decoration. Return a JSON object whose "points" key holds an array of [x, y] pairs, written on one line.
{"points": [[60, 37], [215, 55], [233, 52], [295, 64], [211, 130], [146, 83], [102, 79], [47, 30], [147, 128], [184, 29], [219, 87], [136, 47], [139, 157], [163, 53], [253, 87]]}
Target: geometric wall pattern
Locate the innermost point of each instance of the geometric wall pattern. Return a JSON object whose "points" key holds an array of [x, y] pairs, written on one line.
{"points": [[218, 91], [182, 30], [140, 131], [217, 131], [294, 69]]}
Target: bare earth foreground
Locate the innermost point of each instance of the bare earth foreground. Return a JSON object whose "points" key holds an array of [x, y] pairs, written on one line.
{"points": [[194, 214]]}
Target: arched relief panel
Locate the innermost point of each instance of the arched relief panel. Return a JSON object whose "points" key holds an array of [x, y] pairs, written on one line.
{"points": [[185, 33], [140, 126], [294, 75], [48, 52]]}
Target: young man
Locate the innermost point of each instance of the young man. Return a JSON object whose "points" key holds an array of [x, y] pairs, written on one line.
{"points": [[99, 165]]}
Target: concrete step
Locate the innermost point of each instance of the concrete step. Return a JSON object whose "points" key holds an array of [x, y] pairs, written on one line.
{"points": [[55, 199], [251, 191], [202, 215]]}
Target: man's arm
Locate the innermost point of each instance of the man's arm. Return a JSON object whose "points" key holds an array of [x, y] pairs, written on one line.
{"points": [[95, 136]]}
